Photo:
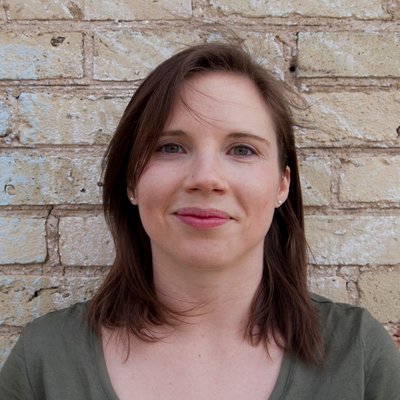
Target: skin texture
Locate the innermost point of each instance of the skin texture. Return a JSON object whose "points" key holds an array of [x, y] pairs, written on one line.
{"points": [[206, 200]]}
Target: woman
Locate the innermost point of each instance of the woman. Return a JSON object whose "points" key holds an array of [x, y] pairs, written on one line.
{"points": [[207, 297]]}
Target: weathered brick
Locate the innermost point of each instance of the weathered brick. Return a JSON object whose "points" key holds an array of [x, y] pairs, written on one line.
{"points": [[4, 116], [315, 177], [41, 56], [340, 118], [7, 342], [23, 298], [332, 287], [85, 241], [49, 179], [370, 179], [337, 8], [22, 240], [265, 48], [44, 9], [358, 239], [138, 9], [380, 294], [348, 54], [130, 55], [67, 119]]}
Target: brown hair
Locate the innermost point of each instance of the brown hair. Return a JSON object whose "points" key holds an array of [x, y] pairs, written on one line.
{"points": [[127, 298]]}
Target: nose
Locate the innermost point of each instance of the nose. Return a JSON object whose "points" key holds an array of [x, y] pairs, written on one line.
{"points": [[206, 174]]}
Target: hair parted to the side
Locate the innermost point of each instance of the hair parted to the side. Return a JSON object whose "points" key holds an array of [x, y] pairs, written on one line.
{"points": [[127, 298]]}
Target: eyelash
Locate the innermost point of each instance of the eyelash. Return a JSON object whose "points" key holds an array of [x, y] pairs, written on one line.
{"points": [[162, 148], [243, 146]]}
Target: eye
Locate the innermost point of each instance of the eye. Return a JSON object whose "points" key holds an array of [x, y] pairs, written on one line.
{"points": [[242, 151], [171, 148]]}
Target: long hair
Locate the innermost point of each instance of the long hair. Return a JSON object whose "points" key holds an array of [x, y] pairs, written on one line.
{"points": [[127, 298]]}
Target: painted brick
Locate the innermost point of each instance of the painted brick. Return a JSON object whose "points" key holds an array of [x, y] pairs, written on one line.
{"points": [[306, 8], [380, 294], [7, 342], [340, 118], [4, 116], [22, 240], [348, 54], [130, 55], [332, 287], [66, 119], [138, 9], [44, 9], [358, 239], [315, 177], [49, 179], [370, 179], [23, 298], [41, 56], [85, 241]]}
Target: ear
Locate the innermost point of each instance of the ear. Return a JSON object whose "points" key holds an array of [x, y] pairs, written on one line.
{"points": [[283, 189], [131, 195]]}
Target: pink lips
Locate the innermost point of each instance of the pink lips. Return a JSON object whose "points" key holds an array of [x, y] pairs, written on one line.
{"points": [[202, 218]]}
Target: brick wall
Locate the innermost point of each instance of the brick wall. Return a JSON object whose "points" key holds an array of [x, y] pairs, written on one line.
{"points": [[68, 68]]}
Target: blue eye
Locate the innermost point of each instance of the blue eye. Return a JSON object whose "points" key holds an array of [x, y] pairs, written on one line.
{"points": [[171, 148], [242, 151]]}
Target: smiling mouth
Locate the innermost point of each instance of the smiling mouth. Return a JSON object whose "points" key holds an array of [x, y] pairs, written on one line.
{"points": [[202, 218]]}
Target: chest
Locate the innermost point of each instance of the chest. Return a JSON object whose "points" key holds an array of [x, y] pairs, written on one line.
{"points": [[175, 373]]}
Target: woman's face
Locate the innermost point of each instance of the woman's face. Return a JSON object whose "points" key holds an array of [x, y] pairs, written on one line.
{"points": [[208, 194]]}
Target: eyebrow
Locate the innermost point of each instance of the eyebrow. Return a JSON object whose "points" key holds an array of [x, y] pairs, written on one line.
{"points": [[233, 135]]}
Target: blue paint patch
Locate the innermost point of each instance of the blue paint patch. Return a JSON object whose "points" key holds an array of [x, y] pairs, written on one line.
{"points": [[4, 116], [22, 62], [19, 177]]}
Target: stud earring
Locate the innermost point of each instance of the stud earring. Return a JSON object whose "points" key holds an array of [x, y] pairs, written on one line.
{"points": [[133, 200]]}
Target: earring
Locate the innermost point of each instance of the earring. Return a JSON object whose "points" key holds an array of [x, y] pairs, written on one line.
{"points": [[133, 200]]}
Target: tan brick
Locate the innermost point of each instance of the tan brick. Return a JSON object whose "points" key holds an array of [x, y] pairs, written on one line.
{"points": [[380, 294], [358, 239], [138, 9], [332, 287], [306, 8], [353, 54], [22, 240], [85, 241], [44, 9], [315, 177], [41, 56], [49, 179], [66, 119], [23, 298], [7, 342], [370, 179], [342, 118], [130, 55]]}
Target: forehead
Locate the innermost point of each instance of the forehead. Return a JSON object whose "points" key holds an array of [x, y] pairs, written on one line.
{"points": [[227, 100]]}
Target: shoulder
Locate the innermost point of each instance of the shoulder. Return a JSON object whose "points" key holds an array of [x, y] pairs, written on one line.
{"points": [[354, 330], [345, 318], [63, 334], [68, 322]]}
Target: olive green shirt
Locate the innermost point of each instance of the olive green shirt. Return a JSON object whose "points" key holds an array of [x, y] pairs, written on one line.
{"points": [[58, 357]]}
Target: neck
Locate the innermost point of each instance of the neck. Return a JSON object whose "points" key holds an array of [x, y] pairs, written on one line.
{"points": [[214, 301]]}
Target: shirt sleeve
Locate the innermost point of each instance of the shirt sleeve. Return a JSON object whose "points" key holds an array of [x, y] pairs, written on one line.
{"points": [[14, 380], [382, 363]]}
